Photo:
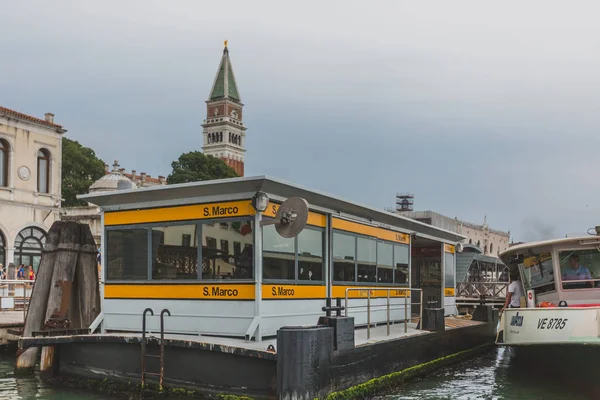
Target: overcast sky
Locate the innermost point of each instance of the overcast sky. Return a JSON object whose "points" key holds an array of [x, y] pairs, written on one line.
{"points": [[478, 108]]}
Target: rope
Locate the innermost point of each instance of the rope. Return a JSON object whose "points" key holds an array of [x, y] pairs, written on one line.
{"points": [[466, 316]]}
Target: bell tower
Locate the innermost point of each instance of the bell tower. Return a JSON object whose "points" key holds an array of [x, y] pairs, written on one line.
{"points": [[223, 129]]}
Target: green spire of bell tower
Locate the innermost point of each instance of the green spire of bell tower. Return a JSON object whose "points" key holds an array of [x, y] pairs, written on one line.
{"points": [[224, 85]]}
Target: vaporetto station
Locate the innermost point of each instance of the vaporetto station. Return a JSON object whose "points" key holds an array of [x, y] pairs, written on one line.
{"points": [[199, 250]]}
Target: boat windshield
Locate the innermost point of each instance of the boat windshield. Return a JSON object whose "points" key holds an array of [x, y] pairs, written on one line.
{"points": [[537, 272], [580, 269]]}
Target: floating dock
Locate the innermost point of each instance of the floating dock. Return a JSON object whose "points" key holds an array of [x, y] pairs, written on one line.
{"points": [[246, 309]]}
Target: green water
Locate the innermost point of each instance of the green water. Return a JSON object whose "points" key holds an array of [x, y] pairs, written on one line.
{"points": [[32, 387], [505, 373], [497, 375]]}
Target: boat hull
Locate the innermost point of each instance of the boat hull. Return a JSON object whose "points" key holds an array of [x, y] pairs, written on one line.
{"points": [[562, 326]]}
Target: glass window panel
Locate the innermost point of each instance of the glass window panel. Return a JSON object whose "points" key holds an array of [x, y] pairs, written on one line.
{"points": [[127, 254], [367, 258], [401, 264], [43, 175], [278, 255], [344, 253], [3, 163], [538, 272], [175, 252], [385, 262], [580, 269], [310, 255], [449, 270], [234, 260]]}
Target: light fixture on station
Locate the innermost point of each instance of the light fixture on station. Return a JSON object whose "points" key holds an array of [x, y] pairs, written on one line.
{"points": [[260, 201], [291, 217]]}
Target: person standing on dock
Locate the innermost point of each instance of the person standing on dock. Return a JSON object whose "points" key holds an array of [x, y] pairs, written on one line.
{"points": [[31, 275], [515, 292], [21, 272]]}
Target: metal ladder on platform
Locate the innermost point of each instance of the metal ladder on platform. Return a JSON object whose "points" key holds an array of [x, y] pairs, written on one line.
{"points": [[162, 347]]}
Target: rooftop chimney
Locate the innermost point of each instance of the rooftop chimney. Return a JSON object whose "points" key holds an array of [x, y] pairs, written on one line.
{"points": [[133, 177], [106, 168], [143, 175], [161, 179], [49, 117]]}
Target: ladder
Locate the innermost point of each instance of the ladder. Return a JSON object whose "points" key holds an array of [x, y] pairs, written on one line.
{"points": [[162, 347]]}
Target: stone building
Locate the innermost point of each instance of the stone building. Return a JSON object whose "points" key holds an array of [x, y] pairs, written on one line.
{"points": [[30, 184], [491, 241], [224, 132]]}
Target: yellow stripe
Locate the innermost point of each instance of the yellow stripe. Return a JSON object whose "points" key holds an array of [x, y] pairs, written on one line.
{"points": [[313, 218], [208, 292], [380, 233], [448, 248], [293, 292], [340, 292], [449, 292], [180, 213]]}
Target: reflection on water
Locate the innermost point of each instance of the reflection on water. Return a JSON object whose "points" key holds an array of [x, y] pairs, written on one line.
{"points": [[32, 387], [507, 373]]}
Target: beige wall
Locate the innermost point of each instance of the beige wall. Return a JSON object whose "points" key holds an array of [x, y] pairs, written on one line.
{"points": [[20, 203]]}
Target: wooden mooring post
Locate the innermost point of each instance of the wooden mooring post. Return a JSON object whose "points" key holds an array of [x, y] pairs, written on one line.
{"points": [[66, 294]]}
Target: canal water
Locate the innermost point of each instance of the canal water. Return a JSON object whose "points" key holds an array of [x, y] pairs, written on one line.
{"points": [[497, 375], [507, 374]]}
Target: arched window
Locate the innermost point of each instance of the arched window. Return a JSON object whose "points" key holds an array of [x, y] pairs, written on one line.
{"points": [[470, 241], [43, 167], [28, 247], [485, 250], [491, 248], [2, 249], [479, 243], [4, 152]]}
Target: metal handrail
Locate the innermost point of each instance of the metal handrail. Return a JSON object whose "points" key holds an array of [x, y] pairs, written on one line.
{"points": [[407, 293], [26, 283]]}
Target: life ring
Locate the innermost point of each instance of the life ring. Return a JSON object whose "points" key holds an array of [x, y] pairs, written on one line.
{"points": [[545, 304]]}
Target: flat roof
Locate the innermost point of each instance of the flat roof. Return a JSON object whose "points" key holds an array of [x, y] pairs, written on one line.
{"points": [[276, 189], [528, 245]]}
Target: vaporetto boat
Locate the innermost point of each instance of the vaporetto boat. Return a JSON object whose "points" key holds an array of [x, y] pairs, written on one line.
{"points": [[561, 282]]}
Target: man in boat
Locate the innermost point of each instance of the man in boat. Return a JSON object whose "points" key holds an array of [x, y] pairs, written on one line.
{"points": [[515, 291], [576, 272]]}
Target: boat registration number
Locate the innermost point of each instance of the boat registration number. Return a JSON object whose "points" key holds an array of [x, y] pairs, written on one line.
{"points": [[552, 323]]}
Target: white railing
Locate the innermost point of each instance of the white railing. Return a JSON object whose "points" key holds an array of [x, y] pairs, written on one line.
{"points": [[15, 293], [405, 293], [491, 290]]}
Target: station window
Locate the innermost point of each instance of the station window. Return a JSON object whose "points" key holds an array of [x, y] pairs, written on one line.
{"points": [[401, 258], [310, 254], [295, 258], [580, 269], [367, 260], [175, 252], [126, 254], [278, 255], [449, 270], [344, 257], [385, 262], [223, 263]]}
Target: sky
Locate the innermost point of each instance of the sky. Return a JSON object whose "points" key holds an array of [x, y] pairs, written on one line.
{"points": [[478, 108]]}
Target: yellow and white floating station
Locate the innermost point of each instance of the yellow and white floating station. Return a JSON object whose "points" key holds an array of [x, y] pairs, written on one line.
{"points": [[199, 250]]}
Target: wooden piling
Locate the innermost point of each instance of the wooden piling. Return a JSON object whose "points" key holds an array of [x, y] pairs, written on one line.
{"points": [[87, 293], [59, 298], [36, 313], [47, 362]]}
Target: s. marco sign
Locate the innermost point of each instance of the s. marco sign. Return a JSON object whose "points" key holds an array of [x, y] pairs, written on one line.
{"points": [[530, 326]]}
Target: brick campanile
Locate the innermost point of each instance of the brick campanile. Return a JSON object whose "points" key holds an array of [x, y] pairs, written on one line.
{"points": [[224, 132]]}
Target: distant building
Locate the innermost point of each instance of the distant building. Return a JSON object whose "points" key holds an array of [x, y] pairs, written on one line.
{"points": [[490, 241], [116, 179], [30, 184], [224, 131]]}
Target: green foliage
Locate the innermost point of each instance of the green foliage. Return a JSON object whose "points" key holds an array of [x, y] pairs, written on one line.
{"points": [[196, 166], [80, 168]]}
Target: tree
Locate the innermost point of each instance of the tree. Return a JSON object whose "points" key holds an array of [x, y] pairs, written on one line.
{"points": [[80, 168], [196, 166]]}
